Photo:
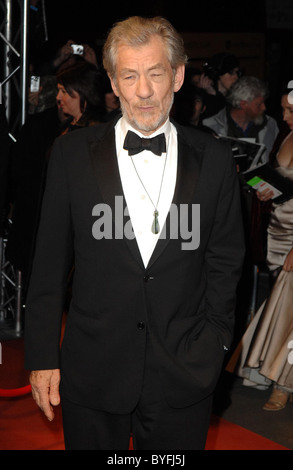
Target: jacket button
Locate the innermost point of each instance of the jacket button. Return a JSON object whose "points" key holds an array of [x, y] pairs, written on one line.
{"points": [[140, 325], [147, 278]]}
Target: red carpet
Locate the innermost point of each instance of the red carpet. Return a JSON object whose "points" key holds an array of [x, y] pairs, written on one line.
{"points": [[224, 435], [23, 426]]}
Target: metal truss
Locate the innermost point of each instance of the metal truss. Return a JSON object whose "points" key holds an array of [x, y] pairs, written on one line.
{"points": [[13, 86], [13, 42], [10, 296]]}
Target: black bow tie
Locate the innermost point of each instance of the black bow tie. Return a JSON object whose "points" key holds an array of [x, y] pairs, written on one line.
{"points": [[135, 144]]}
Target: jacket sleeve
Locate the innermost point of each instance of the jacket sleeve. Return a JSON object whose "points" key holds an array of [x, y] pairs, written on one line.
{"points": [[225, 254], [52, 262]]}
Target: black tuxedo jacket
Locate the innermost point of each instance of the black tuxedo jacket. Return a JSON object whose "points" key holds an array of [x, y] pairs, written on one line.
{"points": [[183, 302]]}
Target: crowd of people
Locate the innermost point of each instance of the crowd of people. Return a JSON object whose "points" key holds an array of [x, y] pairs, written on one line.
{"points": [[73, 93], [262, 355], [219, 101]]}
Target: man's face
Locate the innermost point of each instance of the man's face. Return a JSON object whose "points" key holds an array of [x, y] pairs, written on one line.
{"points": [[145, 84], [199, 108], [228, 79], [255, 110]]}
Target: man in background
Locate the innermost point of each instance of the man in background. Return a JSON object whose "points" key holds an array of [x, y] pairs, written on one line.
{"points": [[245, 117]]}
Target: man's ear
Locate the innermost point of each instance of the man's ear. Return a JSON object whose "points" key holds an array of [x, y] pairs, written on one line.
{"points": [[113, 85], [179, 77]]}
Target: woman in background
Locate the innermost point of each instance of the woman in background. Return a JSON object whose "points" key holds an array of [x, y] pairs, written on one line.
{"points": [[263, 356], [80, 103], [80, 95]]}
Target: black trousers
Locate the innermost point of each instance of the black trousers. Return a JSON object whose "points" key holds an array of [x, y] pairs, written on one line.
{"points": [[153, 424]]}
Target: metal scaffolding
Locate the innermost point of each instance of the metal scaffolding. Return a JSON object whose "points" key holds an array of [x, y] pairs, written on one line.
{"points": [[13, 86], [13, 37]]}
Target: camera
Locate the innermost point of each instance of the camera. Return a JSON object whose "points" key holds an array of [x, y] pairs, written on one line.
{"points": [[77, 49], [35, 84]]}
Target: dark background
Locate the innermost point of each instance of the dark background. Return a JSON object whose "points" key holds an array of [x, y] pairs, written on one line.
{"points": [[88, 21], [95, 17], [91, 19]]}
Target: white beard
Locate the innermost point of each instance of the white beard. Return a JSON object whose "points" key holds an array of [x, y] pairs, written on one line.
{"points": [[258, 120]]}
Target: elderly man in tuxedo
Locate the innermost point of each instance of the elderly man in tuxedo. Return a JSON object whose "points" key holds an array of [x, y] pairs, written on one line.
{"points": [[149, 214]]}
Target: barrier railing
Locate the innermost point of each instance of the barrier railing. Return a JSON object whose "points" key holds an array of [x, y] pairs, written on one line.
{"points": [[15, 392]]}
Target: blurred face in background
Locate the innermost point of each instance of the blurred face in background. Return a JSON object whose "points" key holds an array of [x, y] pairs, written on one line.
{"points": [[287, 109], [227, 80], [111, 102], [70, 104], [199, 108], [255, 109]]}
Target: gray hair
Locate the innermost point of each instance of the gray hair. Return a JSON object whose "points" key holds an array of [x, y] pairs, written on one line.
{"points": [[246, 89], [136, 31]]}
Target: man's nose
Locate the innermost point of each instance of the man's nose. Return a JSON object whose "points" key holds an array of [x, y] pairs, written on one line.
{"points": [[144, 88]]}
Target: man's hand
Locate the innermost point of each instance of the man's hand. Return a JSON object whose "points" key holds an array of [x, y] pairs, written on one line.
{"points": [[45, 390], [207, 84]]}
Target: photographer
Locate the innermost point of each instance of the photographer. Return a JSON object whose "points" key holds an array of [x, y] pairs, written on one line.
{"points": [[67, 56], [70, 51], [221, 71]]}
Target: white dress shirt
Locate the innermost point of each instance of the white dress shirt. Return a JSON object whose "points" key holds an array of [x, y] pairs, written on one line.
{"points": [[154, 172]]}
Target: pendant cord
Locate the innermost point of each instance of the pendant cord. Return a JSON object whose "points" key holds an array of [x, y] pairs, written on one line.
{"points": [[163, 174]]}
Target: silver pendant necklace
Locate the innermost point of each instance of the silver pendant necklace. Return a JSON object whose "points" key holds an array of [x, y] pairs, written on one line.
{"points": [[155, 225]]}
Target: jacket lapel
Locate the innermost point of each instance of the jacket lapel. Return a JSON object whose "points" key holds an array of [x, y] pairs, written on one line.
{"points": [[188, 168], [104, 160]]}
